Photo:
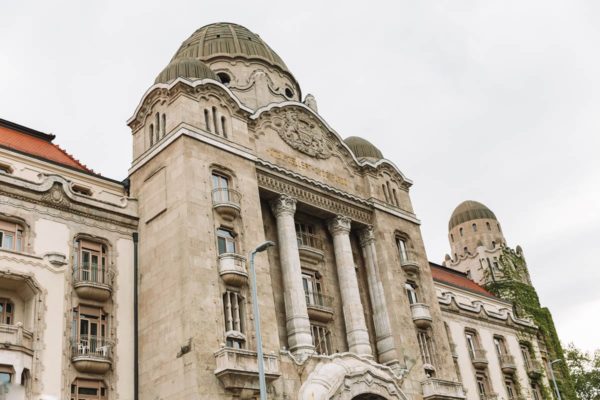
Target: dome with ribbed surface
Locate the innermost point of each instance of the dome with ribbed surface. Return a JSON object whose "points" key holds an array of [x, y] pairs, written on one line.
{"points": [[229, 40], [468, 211], [189, 68], [363, 148]]}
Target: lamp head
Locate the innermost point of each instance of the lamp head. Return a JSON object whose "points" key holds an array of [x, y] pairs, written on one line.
{"points": [[263, 246]]}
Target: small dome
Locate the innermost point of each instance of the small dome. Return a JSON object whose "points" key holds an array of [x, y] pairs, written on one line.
{"points": [[468, 211], [230, 40], [189, 68], [363, 148]]}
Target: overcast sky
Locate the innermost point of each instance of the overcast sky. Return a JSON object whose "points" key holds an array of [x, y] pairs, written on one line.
{"points": [[495, 101]]}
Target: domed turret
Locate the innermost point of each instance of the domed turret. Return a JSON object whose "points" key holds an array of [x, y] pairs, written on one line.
{"points": [[362, 148], [188, 68], [472, 225]]}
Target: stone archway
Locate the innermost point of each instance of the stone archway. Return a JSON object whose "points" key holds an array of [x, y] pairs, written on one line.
{"points": [[350, 377]]}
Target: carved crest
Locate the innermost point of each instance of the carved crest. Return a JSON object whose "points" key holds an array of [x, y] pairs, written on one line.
{"points": [[56, 196], [303, 134]]}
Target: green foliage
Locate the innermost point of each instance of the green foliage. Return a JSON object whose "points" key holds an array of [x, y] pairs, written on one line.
{"points": [[512, 283], [585, 372]]}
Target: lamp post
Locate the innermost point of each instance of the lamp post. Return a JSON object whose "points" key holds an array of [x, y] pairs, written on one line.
{"points": [[259, 350], [554, 379]]}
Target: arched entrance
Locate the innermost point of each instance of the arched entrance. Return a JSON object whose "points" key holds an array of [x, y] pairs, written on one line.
{"points": [[369, 396]]}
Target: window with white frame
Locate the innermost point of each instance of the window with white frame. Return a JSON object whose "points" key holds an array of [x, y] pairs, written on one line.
{"points": [[311, 281], [220, 185], [90, 262], [427, 349], [402, 249], [11, 236], [321, 339], [411, 292], [234, 313], [225, 241]]}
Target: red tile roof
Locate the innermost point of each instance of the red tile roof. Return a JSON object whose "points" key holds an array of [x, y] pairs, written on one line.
{"points": [[37, 144], [457, 279]]}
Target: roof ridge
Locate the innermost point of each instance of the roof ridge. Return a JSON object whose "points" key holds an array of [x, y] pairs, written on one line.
{"points": [[82, 165]]}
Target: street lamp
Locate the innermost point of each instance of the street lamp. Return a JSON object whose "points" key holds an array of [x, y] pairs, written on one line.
{"points": [[554, 379], [261, 362]]}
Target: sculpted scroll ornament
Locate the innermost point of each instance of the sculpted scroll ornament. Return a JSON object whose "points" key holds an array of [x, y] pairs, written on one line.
{"points": [[302, 134]]}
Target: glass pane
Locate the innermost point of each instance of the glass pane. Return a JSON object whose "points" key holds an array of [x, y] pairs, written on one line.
{"points": [[8, 241], [230, 246], [222, 245], [4, 377], [85, 262]]}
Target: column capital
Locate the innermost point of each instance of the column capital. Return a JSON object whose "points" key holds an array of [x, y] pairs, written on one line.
{"points": [[339, 225], [283, 204], [366, 236]]}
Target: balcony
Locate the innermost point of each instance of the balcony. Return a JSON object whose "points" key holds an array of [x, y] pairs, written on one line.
{"points": [[507, 364], [92, 283], [438, 389], [15, 337], [92, 354], [226, 202], [310, 247], [319, 307], [409, 262], [237, 369], [490, 396], [534, 370], [479, 358], [421, 315], [232, 269]]}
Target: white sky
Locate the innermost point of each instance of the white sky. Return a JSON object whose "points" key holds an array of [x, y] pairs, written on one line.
{"points": [[495, 101]]}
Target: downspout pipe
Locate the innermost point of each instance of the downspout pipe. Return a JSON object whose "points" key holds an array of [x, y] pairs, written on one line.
{"points": [[135, 318]]}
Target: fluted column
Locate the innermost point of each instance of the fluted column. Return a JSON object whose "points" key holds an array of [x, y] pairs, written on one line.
{"points": [[384, 340], [297, 322], [356, 328]]}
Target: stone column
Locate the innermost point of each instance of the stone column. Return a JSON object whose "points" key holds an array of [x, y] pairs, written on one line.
{"points": [[354, 317], [297, 322], [385, 342]]}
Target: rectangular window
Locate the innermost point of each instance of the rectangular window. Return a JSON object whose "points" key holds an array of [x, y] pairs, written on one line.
{"points": [[10, 236], [6, 312], [225, 241], [510, 387], [312, 289], [426, 348], [526, 357], [305, 233], [402, 249], [471, 343], [90, 332], [321, 339], [482, 385], [499, 345], [234, 312], [93, 265], [220, 188], [411, 292]]}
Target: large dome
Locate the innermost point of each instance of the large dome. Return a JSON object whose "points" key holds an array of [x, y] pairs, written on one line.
{"points": [[229, 40], [468, 211], [362, 148]]}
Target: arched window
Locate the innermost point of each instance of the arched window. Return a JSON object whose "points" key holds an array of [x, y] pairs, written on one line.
{"points": [[223, 126], [474, 227], [488, 226], [395, 197], [151, 134], [157, 124], [461, 231], [164, 125], [207, 120], [215, 119]]}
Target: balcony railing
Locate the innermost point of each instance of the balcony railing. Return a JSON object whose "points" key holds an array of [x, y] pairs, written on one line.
{"points": [[507, 363], [438, 389], [310, 247], [17, 336], [421, 315], [479, 358], [226, 202], [409, 261], [237, 369], [534, 369], [92, 282], [92, 354], [319, 306], [232, 269]]}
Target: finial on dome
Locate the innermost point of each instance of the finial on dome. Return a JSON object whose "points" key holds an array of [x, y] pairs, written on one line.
{"points": [[311, 102]]}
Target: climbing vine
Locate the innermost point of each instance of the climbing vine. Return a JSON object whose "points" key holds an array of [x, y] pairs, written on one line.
{"points": [[511, 281]]}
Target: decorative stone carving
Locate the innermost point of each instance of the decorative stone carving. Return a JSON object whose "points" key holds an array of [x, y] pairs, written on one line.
{"points": [[366, 236], [311, 102], [283, 204], [56, 259], [56, 196], [339, 225], [302, 134]]}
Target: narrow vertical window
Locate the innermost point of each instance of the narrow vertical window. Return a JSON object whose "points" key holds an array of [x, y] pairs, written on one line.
{"points": [[402, 249], [157, 124], [474, 227], [164, 125], [225, 241], [321, 339], [452, 238], [411, 292], [385, 194], [395, 197], [461, 232], [151, 134], [207, 120], [220, 188], [234, 313], [223, 126], [215, 119], [389, 191], [7, 310], [489, 228]]}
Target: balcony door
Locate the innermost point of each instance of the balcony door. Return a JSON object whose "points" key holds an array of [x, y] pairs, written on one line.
{"points": [[220, 188], [93, 262], [312, 288], [91, 329]]}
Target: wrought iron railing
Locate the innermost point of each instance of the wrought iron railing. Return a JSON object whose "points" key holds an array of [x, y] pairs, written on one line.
{"points": [[92, 274], [92, 346]]}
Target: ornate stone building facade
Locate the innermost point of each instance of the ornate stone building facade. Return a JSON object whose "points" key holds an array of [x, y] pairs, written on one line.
{"points": [[227, 154]]}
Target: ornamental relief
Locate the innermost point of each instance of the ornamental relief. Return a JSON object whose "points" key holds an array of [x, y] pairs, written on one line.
{"points": [[302, 133]]}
